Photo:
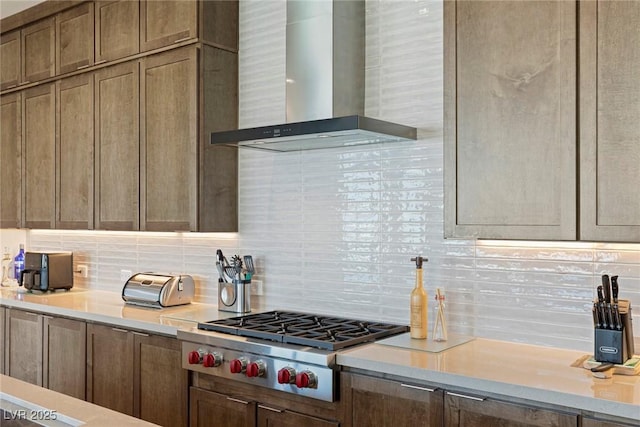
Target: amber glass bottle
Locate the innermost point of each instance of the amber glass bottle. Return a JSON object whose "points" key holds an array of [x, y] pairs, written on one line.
{"points": [[418, 304]]}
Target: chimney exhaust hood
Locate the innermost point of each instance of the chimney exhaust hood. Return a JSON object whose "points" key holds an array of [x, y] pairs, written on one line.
{"points": [[325, 75]]}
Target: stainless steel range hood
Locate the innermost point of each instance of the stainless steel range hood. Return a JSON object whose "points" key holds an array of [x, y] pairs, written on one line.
{"points": [[325, 75]]}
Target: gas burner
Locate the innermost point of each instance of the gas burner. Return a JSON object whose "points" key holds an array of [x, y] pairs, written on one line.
{"points": [[328, 333]]}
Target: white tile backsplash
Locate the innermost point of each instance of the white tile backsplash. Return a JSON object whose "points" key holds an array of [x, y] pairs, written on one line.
{"points": [[333, 231]]}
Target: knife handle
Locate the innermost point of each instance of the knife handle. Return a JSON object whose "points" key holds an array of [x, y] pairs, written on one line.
{"points": [[602, 367], [607, 288], [596, 317], [614, 288]]}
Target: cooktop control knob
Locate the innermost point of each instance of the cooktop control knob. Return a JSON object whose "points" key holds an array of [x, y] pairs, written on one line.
{"points": [[306, 379], [212, 360], [238, 366], [287, 375], [195, 357], [256, 369]]}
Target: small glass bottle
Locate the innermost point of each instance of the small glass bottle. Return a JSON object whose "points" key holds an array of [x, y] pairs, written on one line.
{"points": [[18, 263], [418, 329]]}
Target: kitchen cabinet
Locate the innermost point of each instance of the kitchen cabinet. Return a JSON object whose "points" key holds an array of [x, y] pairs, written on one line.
{"points": [[74, 38], [163, 23], [136, 374], [117, 29], [169, 140], [469, 411], [594, 422], [11, 155], [74, 163], [609, 128], [269, 416], [46, 351], [510, 102], [388, 403], [2, 336], [534, 113], [64, 368], [117, 147], [226, 410], [38, 51], [39, 131], [10, 64]]}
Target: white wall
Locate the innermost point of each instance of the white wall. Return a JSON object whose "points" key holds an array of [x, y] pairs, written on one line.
{"points": [[333, 231]]}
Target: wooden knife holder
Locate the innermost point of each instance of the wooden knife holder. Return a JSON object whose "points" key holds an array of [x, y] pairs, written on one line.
{"points": [[612, 345]]}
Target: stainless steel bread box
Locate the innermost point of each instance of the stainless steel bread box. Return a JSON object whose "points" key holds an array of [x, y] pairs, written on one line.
{"points": [[158, 290]]}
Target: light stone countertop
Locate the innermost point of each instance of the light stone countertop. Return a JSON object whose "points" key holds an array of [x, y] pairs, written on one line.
{"points": [[539, 374], [43, 403]]}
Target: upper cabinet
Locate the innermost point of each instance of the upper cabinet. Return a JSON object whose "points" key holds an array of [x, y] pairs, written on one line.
{"points": [[610, 121], [524, 131], [166, 22], [38, 51], [117, 25], [74, 38], [10, 153], [10, 64]]}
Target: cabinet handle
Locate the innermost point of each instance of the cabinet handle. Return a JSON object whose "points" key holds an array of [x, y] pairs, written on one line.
{"points": [[464, 396], [244, 402], [12, 86], [83, 66], [182, 39], [26, 82], [415, 387], [99, 62], [30, 313], [47, 317], [140, 333], [271, 409], [119, 330]]}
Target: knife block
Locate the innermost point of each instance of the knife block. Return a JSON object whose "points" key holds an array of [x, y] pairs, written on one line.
{"points": [[615, 346]]}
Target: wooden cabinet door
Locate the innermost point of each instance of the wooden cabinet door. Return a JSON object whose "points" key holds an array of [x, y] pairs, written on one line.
{"points": [[117, 157], [385, 403], [39, 130], [117, 33], [161, 385], [24, 346], [74, 171], [74, 38], [169, 139], [610, 124], [163, 23], [2, 336], [64, 358], [110, 368], [10, 65], [274, 417], [11, 155], [205, 407], [38, 51], [510, 122], [593, 422], [468, 411]]}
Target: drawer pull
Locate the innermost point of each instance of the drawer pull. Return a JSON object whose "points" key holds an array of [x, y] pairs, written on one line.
{"points": [[271, 409], [182, 39], [464, 396], [10, 87], [119, 330], [100, 62], [415, 387], [83, 66], [244, 402], [142, 334]]}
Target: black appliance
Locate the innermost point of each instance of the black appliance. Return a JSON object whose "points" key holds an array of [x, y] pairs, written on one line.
{"points": [[47, 271]]}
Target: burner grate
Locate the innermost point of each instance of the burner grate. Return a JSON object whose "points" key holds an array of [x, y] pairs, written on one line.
{"points": [[329, 333]]}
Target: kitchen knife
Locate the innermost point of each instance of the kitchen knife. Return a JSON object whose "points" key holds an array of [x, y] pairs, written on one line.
{"points": [[617, 320], [606, 286], [614, 289], [602, 367], [603, 317], [596, 317]]}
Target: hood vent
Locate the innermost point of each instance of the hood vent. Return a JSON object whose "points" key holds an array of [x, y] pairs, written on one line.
{"points": [[325, 85]]}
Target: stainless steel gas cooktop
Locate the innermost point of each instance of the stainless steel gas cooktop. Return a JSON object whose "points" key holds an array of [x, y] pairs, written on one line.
{"points": [[324, 332]]}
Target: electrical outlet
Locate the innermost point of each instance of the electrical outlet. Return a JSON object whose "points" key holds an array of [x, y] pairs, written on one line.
{"points": [[256, 287], [125, 275], [83, 270]]}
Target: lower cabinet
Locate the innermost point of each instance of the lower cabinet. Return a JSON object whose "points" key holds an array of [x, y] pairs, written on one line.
{"points": [[386, 403], [2, 314], [471, 411], [137, 374], [229, 403], [46, 351], [594, 422]]}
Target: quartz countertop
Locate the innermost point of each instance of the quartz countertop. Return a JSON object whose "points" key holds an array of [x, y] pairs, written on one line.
{"points": [[539, 374], [38, 404]]}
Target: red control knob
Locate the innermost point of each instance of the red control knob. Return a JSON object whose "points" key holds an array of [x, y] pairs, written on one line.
{"points": [[287, 375], [255, 369], [194, 357], [237, 366], [208, 361], [306, 379]]}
